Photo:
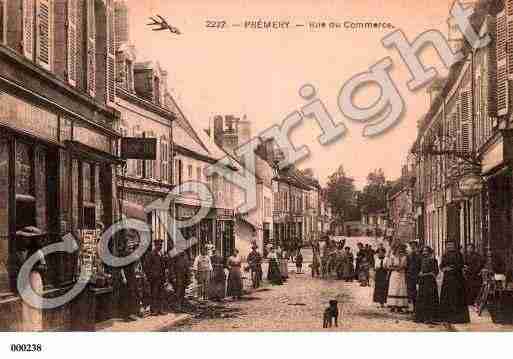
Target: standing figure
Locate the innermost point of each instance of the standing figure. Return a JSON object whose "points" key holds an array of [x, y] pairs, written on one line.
{"points": [[453, 303], [179, 271], [315, 264], [474, 263], [255, 265], [202, 270], [397, 298], [348, 269], [426, 309], [299, 262], [359, 256], [128, 289], [217, 288], [414, 261], [363, 274], [284, 263], [155, 269], [234, 275], [381, 279], [273, 274]]}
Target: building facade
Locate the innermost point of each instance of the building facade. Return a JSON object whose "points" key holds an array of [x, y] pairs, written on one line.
{"points": [[58, 149]]}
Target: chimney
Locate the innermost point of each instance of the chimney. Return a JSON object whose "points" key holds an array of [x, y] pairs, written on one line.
{"points": [[218, 130]]}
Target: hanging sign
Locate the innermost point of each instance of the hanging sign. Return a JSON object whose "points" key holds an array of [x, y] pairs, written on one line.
{"points": [[470, 185], [139, 148]]}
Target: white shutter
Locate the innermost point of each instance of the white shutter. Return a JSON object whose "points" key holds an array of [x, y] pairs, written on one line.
{"points": [[28, 28], [509, 31], [72, 41], [466, 121], [502, 65], [91, 49], [110, 72], [44, 31]]}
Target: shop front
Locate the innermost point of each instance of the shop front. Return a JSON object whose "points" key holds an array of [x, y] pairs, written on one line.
{"points": [[56, 177], [496, 200], [202, 233]]}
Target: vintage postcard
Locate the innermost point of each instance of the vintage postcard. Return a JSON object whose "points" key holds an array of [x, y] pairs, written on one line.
{"points": [[255, 166]]}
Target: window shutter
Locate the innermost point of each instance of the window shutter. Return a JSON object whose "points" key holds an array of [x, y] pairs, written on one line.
{"points": [[111, 54], [502, 76], [91, 49], [72, 41], [466, 122], [44, 27], [28, 29], [509, 30]]}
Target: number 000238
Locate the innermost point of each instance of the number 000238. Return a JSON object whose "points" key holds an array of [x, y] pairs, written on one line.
{"points": [[26, 347]]}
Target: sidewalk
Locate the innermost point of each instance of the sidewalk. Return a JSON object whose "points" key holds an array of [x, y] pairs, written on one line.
{"points": [[149, 324], [481, 323]]}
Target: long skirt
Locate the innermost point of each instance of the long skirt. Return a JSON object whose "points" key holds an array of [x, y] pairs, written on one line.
{"points": [[380, 286], [284, 268], [217, 286], [273, 274], [397, 292], [453, 304], [234, 282], [347, 270], [426, 308]]}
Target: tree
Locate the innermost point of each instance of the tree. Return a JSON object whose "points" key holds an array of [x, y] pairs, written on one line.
{"points": [[373, 196], [341, 193]]}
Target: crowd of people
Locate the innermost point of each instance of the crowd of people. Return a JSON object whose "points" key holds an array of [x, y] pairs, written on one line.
{"points": [[159, 281], [408, 279]]}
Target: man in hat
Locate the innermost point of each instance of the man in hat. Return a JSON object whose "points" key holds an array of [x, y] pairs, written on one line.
{"points": [[155, 270], [255, 264], [413, 266], [179, 271]]}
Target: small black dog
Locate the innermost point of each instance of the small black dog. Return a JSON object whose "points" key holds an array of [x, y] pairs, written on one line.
{"points": [[331, 315]]}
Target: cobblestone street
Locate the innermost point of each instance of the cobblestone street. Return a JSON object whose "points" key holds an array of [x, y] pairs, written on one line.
{"points": [[298, 305]]}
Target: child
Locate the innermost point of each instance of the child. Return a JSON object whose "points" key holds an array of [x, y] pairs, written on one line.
{"points": [[299, 262]]}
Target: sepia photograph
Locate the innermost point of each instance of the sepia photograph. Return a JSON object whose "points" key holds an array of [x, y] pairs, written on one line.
{"points": [[206, 167]]}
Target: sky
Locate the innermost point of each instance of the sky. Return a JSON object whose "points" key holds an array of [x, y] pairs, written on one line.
{"points": [[259, 72]]}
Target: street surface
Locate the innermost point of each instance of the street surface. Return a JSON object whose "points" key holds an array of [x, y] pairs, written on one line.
{"points": [[298, 305]]}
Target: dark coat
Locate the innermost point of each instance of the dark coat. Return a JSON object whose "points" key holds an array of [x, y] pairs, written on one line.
{"points": [[413, 266], [427, 305], [453, 301]]}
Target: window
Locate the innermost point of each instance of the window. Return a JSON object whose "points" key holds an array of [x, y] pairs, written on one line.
{"points": [[38, 31], [198, 174], [129, 68], [156, 91], [189, 172], [164, 159]]}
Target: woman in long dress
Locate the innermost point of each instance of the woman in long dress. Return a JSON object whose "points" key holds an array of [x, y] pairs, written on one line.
{"points": [[397, 298], [380, 279], [218, 285], [426, 307], [453, 303], [273, 274], [234, 275], [348, 268]]}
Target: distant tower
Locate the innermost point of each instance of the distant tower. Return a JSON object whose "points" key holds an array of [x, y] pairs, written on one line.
{"points": [[122, 21], [244, 130], [455, 37]]}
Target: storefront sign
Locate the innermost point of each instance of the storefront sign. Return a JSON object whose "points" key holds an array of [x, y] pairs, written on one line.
{"points": [[139, 148], [91, 138], [26, 117]]}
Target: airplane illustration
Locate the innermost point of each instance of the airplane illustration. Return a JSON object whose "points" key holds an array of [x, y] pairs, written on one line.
{"points": [[163, 25]]}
